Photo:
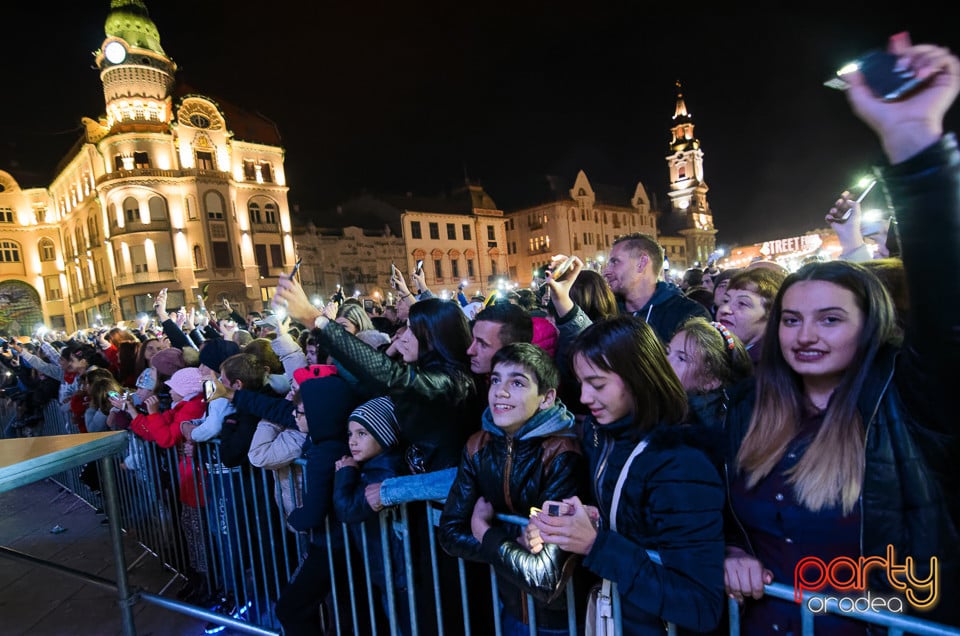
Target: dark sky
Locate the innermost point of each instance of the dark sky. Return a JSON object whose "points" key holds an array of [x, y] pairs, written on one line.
{"points": [[411, 96]]}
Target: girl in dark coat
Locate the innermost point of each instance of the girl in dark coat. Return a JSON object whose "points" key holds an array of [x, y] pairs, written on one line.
{"points": [[672, 501]]}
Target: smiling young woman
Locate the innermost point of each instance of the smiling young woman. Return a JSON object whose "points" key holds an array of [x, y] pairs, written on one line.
{"points": [[849, 443]]}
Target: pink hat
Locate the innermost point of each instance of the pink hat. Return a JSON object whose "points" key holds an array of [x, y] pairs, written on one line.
{"points": [[314, 371], [168, 361], [545, 335], [187, 382]]}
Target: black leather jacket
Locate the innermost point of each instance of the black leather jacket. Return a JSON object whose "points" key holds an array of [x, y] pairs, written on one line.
{"points": [[436, 409], [909, 498], [509, 472]]}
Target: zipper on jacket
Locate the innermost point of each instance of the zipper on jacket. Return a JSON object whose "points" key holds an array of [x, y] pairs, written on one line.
{"points": [[601, 468], [507, 467], [866, 437]]}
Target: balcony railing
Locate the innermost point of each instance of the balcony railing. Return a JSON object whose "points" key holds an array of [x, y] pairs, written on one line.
{"points": [[156, 173], [137, 226], [143, 277]]}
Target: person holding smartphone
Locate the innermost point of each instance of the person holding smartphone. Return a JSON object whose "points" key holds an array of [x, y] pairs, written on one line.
{"points": [[847, 446]]}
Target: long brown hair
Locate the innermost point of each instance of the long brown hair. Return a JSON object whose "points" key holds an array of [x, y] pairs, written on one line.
{"points": [[830, 472], [628, 347]]}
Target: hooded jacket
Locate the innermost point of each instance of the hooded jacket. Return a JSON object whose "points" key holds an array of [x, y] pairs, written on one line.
{"points": [[509, 472], [327, 404], [666, 310]]}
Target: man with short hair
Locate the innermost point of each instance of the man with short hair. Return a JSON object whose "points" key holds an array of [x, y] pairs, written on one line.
{"points": [[495, 327], [633, 273]]}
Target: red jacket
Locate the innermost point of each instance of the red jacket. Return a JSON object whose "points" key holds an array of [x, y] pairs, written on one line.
{"points": [[163, 428]]}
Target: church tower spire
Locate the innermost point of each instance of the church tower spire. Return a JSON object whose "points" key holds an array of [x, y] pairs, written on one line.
{"points": [[688, 190], [136, 73]]}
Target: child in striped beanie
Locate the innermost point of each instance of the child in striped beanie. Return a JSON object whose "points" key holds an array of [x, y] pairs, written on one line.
{"points": [[373, 438]]}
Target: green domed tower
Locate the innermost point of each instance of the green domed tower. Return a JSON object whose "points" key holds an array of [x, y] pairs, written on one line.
{"points": [[136, 73]]}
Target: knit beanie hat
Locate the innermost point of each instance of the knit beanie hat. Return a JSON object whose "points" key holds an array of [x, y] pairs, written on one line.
{"points": [[187, 382], [214, 352], [168, 361], [378, 418]]}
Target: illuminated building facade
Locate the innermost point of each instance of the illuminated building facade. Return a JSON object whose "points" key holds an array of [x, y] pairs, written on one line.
{"points": [[460, 236], [689, 216], [581, 219], [169, 188]]}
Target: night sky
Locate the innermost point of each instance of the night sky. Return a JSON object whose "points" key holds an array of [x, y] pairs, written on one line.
{"points": [[415, 96]]}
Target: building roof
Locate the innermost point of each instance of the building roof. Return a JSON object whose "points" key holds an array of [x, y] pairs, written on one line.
{"points": [[245, 125], [552, 188], [376, 211]]}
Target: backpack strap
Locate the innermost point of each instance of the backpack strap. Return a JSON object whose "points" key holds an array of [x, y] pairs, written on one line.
{"points": [[477, 441], [554, 446]]}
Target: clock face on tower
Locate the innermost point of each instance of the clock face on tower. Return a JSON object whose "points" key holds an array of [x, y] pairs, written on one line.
{"points": [[115, 53]]}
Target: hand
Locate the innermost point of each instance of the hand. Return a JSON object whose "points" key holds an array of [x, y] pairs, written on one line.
{"points": [[848, 231], [330, 310], [226, 305], [531, 539], [160, 305], [480, 519], [420, 280], [190, 318], [560, 289], [911, 123], [573, 531], [186, 428], [153, 404], [372, 494], [181, 317], [227, 329], [346, 461], [290, 294], [118, 403], [744, 575]]}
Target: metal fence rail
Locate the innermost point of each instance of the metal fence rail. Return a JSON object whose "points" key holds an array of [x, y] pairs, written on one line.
{"points": [[225, 528]]}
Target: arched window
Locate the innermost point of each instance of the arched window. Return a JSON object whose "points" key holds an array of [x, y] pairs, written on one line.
{"points": [[92, 230], [80, 243], [254, 210], [48, 252], [158, 209], [198, 258], [131, 210], [270, 213], [9, 252], [213, 204]]}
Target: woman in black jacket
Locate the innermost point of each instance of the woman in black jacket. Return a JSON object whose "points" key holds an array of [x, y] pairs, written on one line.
{"points": [[848, 448], [436, 399]]}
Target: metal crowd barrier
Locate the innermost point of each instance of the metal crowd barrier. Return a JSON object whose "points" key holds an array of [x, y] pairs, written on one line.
{"points": [[234, 538]]}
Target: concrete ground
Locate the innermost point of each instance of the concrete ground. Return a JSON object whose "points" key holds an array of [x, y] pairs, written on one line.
{"points": [[37, 601]]}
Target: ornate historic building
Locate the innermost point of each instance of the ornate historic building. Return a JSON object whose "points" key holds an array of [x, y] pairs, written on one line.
{"points": [[580, 219], [687, 231], [460, 237], [584, 219], [168, 188]]}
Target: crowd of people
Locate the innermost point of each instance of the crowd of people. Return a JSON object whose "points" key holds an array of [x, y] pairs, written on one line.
{"points": [[734, 424]]}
